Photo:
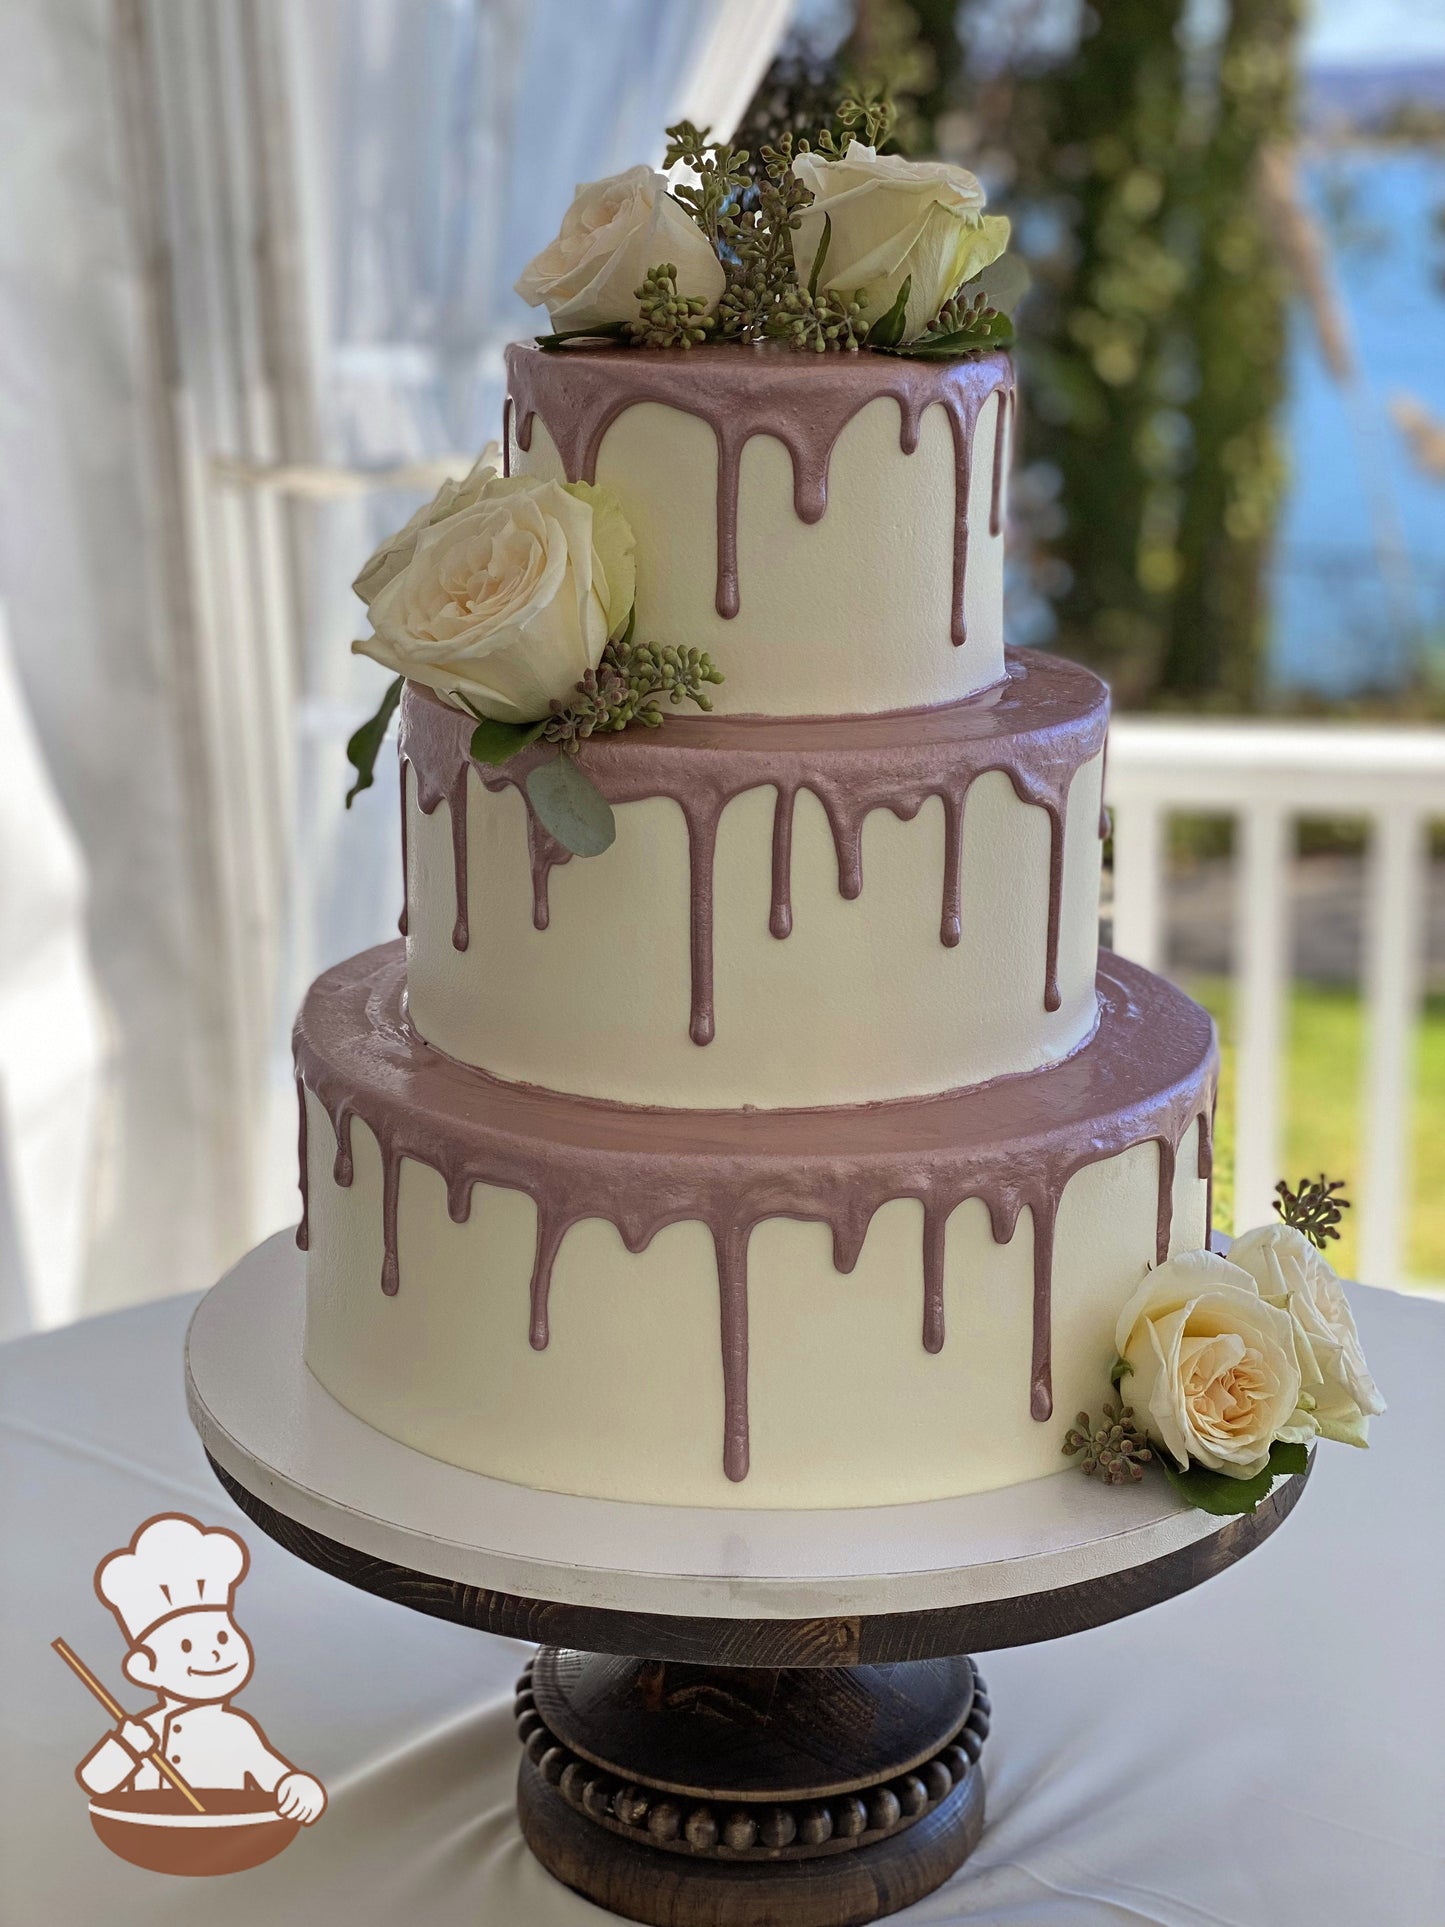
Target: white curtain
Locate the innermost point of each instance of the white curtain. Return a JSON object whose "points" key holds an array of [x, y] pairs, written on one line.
{"points": [[248, 249]]}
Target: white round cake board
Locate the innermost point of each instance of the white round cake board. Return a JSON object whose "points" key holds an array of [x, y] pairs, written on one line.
{"points": [[269, 1424]]}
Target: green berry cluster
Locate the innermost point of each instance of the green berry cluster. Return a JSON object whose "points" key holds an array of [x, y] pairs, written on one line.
{"points": [[629, 685], [964, 314], [818, 320], [665, 318], [749, 207]]}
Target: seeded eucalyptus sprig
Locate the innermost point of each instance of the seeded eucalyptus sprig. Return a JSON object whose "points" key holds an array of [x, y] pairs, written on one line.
{"points": [[820, 321], [665, 318], [629, 685], [868, 115], [1313, 1207], [1115, 1451], [722, 175]]}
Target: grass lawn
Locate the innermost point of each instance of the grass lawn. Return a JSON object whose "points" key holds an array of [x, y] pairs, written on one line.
{"points": [[1322, 1112]]}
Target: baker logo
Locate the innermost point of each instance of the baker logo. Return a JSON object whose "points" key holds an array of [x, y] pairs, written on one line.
{"points": [[191, 1784]]}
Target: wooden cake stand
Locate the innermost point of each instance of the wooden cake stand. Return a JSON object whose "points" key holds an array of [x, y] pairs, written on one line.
{"points": [[737, 1718]]}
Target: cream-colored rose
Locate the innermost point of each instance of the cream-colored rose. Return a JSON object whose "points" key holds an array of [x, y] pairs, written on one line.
{"points": [[508, 601], [1213, 1372], [894, 221], [614, 231], [1292, 1273], [397, 550]]}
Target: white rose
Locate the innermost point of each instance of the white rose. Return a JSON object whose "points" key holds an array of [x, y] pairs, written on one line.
{"points": [[1292, 1273], [614, 231], [893, 220], [1213, 1373], [396, 551], [508, 600]]}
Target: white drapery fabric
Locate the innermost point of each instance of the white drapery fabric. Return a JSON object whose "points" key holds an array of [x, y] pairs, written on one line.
{"points": [[242, 237]]}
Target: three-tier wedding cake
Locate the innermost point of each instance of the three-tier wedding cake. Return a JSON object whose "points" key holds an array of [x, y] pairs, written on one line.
{"points": [[797, 1148]]}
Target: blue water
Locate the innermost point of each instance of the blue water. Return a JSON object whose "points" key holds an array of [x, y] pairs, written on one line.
{"points": [[1358, 593]]}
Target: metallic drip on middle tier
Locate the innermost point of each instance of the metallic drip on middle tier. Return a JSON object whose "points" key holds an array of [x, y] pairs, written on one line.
{"points": [[1038, 728]]}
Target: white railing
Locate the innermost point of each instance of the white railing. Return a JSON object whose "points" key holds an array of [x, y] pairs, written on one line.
{"points": [[1266, 776]]}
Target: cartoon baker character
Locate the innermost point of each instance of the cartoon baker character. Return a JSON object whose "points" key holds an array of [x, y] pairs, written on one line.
{"points": [[171, 1590]]}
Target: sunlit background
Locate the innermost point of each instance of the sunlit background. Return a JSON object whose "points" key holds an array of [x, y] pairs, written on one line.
{"points": [[255, 280]]}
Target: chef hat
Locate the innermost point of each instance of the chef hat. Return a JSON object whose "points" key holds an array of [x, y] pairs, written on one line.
{"points": [[172, 1565]]}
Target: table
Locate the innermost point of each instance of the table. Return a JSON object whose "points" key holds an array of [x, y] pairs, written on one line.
{"points": [[1258, 1753]]}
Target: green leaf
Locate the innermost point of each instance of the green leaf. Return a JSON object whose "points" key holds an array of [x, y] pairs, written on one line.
{"points": [[570, 807], [361, 750], [887, 330], [613, 331], [999, 333], [821, 256], [1217, 1493], [494, 742], [1119, 1371], [1003, 283]]}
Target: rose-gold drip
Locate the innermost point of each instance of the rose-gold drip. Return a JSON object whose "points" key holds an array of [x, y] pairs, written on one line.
{"points": [[390, 1186], [702, 852], [303, 1229], [343, 1168], [780, 915], [1007, 402], [934, 1227], [1045, 1210], [401, 922], [730, 1241], [544, 855], [951, 925], [550, 1233], [1052, 996], [1015, 1143], [1164, 1213], [450, 788], [1039, 727], [741, 392]]}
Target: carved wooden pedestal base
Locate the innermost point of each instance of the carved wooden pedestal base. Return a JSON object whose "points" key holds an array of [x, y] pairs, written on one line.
{"points": [[712, 1796]]}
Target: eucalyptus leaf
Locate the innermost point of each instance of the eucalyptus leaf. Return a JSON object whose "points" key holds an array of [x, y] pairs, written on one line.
{"points": [[364, 744], [570, 807], [612, 331], [1003, 283], [887, 330], [1217, 1493], [494, 742], [998, 333], [821, 256]]}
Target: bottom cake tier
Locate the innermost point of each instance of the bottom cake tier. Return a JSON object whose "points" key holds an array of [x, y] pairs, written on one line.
{"points": [[861, 1306]]}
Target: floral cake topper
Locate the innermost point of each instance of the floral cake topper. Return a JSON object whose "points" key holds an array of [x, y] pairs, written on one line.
{"points": [[822, 244]]}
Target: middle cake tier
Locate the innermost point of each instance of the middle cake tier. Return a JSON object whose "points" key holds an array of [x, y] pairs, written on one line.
{"points": [[796, 911]]}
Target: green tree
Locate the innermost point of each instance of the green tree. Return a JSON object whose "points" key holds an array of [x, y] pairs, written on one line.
{"points": [[1235, 322]]}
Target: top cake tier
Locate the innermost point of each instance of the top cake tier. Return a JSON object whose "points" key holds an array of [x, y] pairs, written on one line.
{"points": [[831, 532]]}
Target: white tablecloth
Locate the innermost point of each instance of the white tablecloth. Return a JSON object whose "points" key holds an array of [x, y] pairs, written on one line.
{"points": [[1262, 1752]]}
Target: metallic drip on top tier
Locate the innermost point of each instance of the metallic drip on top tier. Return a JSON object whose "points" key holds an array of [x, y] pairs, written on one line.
{"points": [[580, 394], [1039, 728], [1148, 1076]]}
